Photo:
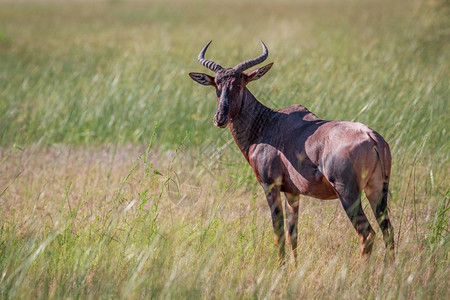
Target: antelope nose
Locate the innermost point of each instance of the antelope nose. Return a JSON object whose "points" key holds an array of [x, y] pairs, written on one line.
{"points": [[221, 122]]}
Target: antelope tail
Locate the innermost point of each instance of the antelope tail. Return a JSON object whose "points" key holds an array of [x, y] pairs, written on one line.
{"points": [[383, 170]]}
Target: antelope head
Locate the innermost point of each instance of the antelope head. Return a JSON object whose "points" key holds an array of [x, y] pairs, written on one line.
{"points": [[230, 83]]}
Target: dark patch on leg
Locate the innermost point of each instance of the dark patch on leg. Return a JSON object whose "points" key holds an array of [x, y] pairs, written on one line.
{"points": [[350, 197], [355, 213], [276, 210], [291, 207], [383, 219]]}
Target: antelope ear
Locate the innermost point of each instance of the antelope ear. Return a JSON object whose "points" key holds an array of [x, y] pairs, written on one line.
{"points": [[203, 78], [258, 73]]}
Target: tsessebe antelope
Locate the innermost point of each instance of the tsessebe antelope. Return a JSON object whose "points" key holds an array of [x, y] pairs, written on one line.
{"points": [[292, 151]]}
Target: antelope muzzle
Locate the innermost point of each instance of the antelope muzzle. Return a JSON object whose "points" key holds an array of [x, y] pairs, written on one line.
{"points": [[221, 118]]}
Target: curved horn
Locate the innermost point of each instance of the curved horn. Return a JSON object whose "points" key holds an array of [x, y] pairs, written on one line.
{"points": [[207, 63], [253, 62]]}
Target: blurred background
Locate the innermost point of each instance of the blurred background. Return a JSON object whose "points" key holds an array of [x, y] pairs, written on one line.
{"points": [[84, 72]]}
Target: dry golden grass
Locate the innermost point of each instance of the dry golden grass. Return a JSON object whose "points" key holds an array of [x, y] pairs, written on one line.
{"points": [[119, 207]]}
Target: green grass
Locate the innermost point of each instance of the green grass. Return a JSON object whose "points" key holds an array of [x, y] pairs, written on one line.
{"points": [[87, 210]]}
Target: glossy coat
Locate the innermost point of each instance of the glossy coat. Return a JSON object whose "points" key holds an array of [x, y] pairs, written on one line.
{"points": [[292, 151]]}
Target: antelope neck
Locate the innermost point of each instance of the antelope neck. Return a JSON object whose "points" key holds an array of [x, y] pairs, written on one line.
{"points": [[247, 125]]}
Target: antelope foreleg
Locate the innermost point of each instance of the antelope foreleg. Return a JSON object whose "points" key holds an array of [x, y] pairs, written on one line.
{"points": [[276, 211], [291, 207]]}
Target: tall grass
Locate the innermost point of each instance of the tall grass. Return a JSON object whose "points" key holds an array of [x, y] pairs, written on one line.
{"points": [[95, 223], [106, 72], [114, 183]]}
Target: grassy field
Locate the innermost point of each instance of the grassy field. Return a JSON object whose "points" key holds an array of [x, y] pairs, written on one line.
{"points": [[114, 183]]}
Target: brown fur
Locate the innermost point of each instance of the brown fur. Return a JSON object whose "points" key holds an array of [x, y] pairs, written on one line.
{"points": [[293, 151]]}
